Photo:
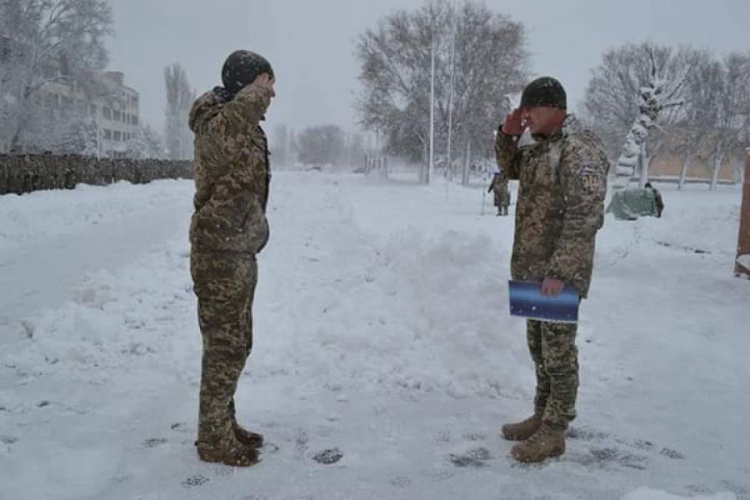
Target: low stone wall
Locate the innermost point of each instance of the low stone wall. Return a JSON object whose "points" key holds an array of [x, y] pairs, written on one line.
{"points": [[26, 173]]}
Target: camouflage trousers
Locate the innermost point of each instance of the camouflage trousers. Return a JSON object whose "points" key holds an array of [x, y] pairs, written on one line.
{"points": [[553, 349], [502, 198], [225, 287]]}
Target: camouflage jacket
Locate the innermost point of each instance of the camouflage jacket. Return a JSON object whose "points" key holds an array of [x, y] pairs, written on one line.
{"points": [[232, 174], [499, 185], [562, 185]]}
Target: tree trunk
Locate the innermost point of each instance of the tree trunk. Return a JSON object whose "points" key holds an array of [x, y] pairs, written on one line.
{"points": [[686, 160], [645, 162], [467, 160], [425, 160], [718, 160]]}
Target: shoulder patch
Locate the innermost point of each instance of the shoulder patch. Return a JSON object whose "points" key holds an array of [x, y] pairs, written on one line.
{"points": [[591, 182], [589, 168]]}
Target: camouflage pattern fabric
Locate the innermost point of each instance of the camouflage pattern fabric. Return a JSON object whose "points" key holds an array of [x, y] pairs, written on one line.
{"points": [[231, 172], [560, 207], [499, 188], [228, 229], [555, 355], [225, 287]]}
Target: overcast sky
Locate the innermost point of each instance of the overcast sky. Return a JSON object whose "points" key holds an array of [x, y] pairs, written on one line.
{"points": [[311, 42]]}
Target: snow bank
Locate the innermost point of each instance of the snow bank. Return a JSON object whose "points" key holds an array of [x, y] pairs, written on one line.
{"points": [[427, 314], [647, 494], [41, 214]]}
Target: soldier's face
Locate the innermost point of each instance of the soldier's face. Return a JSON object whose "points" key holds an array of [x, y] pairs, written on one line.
{"points": [[543, 121]]}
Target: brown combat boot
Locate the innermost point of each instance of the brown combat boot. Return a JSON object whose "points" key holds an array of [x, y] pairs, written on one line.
{"points": [[521, 431], [248, 438], [235, 454], [547, 442]]}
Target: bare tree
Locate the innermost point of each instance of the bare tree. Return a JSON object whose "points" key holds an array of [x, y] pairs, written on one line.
{"points": [[146, 144], [636, 88], [480, 57], [696, 120], [42, 42], [738, 82], [728, 95], [180, 98]]}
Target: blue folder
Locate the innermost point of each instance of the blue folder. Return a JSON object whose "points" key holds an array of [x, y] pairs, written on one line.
{"points": [[526, 300]]}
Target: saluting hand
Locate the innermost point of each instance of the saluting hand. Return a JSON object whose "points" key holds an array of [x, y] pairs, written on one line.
{"points": [[514, 124]]}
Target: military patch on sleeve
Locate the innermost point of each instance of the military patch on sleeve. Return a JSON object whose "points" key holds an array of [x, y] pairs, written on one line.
{"points": [[591, 182], [591, 177]]}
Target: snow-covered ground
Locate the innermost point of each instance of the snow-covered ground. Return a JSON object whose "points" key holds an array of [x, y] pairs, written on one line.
{"points": [[382, 335]]}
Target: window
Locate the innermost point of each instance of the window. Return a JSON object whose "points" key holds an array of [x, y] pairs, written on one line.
{"points": [[107, 112], [135, 120], [116, 116], [107, 134], [117, 136]]}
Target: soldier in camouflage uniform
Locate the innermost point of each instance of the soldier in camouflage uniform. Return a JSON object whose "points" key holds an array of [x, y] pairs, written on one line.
{"points": [[562, 185], [227, 231], [658, 200], [499, 188]]}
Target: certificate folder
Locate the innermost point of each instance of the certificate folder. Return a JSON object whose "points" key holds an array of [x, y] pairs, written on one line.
{"points": [[526, 300]]}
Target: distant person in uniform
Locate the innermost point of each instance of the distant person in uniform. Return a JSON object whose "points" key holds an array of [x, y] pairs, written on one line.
{"points": [[657, 199], [499, 187]]}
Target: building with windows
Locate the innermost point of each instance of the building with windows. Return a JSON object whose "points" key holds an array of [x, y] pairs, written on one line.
{"points": [[117, 115], [99, 110], [111, 108]]}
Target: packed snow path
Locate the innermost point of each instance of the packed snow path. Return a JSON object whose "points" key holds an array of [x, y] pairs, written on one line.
{"points": [[385, 360]]}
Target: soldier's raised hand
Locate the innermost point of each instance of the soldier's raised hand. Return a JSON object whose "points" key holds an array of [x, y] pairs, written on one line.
{"points": [[514, 123]]}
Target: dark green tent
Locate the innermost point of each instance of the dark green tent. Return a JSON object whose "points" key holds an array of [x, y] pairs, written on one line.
{"points": [[629, 204]]}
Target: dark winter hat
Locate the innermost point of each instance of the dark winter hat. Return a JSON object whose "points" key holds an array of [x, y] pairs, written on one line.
{"points": [[241, 68], [544, 92]]}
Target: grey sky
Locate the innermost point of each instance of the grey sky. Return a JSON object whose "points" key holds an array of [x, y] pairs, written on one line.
{"points": [[311, 42]]}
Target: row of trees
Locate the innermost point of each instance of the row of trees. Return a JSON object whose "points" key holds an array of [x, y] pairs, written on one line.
{"points": [[317, 145], [448, 64], [647, 100], [465, 56]]}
